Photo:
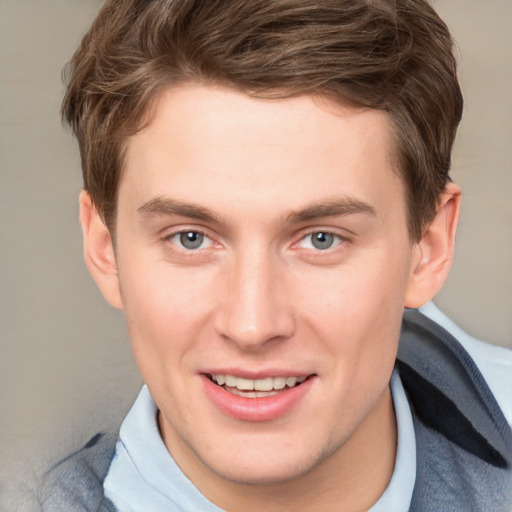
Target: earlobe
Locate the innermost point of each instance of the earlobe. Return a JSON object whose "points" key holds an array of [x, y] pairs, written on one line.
{"points": [[99, 251], [433, 254]]}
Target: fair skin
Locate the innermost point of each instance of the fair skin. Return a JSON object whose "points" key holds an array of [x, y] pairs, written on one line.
{"points": [[264, 239]]}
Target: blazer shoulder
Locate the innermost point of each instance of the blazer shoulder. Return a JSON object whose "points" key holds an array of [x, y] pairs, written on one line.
{"points": [[75, 484]]}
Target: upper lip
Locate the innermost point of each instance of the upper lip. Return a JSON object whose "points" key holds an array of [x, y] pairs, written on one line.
{"points": [[256, 374]]}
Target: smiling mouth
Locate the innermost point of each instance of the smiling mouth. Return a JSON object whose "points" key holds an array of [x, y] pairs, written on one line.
{"points": [[255, 388]]}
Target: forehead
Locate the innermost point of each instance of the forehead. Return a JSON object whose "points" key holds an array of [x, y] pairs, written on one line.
{"points": [[205, 143]]}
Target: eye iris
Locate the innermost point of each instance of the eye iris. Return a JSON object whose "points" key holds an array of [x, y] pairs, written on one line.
{"points": [[191, 239], [322, 240]]}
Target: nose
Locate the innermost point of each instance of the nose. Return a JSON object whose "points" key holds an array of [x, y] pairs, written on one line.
{"points": [[255, 307]]}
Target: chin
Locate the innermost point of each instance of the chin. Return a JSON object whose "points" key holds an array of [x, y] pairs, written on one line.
{"points": [[266, 476], [267, 469]]}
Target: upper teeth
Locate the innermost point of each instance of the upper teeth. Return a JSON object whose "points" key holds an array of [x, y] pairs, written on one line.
{"points": [[267, 384]]}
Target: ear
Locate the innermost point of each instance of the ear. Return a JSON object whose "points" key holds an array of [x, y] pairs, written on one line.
{"points": [[433, 254], [99, 251]]}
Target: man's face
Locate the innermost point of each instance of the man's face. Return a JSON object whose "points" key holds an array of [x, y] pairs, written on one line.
{"points": [[263, 243]]}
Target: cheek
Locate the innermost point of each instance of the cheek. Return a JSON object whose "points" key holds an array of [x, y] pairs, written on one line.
{"points": [[362, 292], [358, 315], [165, 311]]}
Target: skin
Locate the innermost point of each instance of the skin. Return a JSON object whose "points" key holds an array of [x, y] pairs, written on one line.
{"points": [[257, 178]]}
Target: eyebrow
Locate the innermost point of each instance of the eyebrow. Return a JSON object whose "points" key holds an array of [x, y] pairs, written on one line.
{"points": [[163, 206], [166, 207], [332, 208]]}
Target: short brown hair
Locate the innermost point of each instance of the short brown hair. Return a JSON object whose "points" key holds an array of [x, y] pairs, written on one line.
{"points": [[393, 55]]}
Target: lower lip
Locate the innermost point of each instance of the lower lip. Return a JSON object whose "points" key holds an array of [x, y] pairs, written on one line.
{"points": [[256, 409]]}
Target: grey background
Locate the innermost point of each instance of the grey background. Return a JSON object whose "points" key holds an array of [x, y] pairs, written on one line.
{"points": [[66, 369]]}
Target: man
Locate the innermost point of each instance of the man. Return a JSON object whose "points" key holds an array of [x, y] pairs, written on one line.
{"points": [[266, 189]]}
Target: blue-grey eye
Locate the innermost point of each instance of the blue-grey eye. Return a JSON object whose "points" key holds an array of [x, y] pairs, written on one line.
{"points": [[190, 239], [321, 240]]}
